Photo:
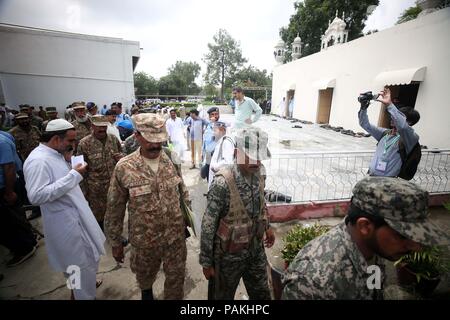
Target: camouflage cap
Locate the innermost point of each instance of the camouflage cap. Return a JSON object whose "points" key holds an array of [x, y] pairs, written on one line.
{"points": [[78, 105], [50, 110], [24, 107], [99, 120], [151, 126], [253, 141], [402, 204], [21, 115]]}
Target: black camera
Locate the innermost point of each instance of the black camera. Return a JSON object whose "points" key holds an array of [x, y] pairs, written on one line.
{"points": [[367, 96]]}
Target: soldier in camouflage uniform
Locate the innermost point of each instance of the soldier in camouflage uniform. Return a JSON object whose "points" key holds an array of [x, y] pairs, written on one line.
{"points": [[148, 182], [82, 123], [26, 136], [235, 226], [52, 114], [101, 152], [387, 218], [130, 145], [35, 120]]}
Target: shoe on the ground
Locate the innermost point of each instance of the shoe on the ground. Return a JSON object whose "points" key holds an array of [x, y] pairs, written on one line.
{"points": [[193, 167], [16, 260]]}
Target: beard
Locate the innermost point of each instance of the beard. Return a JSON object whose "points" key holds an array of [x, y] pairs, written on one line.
{"points": [[154, 150], [82, 119], [25, 126]]}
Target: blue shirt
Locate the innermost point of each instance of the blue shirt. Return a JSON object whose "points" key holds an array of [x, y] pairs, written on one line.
{"points": [[121, 117], [8, 155], [387, 148], [245, 110], [209, 142], [196, 127]]}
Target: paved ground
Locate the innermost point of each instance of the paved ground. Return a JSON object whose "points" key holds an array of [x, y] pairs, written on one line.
{"points": [[35, 280]]}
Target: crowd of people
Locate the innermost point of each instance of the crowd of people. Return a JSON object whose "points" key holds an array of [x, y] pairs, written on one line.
{"points": [[132, 163]]}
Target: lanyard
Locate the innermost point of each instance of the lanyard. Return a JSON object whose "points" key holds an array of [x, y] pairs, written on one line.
{"points": [[388, 144]]}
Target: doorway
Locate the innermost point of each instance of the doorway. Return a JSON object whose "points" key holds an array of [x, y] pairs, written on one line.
{"points": [[402, 96], [289, 96], [324, 106]]}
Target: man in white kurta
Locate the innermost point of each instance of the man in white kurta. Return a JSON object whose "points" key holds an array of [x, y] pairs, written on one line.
{"points": [[74, 241], [175, 129], [223, 152]]}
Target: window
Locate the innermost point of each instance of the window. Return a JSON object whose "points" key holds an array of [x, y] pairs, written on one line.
{"points": [[279, 53]]}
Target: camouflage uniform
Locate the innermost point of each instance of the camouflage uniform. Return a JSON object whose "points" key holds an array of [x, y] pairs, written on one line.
{"points": [[83, 129], [99, 157], [156, 223], [130, 145], [37, 122], [25, 141], [332, 267], [249, 264]]}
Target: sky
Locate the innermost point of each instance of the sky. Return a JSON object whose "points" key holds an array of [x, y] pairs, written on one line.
{"points": [[171, 30]]}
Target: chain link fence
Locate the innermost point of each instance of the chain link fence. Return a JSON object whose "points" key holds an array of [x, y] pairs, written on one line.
{"points": [[332, 175]]}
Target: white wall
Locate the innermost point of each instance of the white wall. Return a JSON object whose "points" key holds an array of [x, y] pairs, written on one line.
{"points": [[424, 42], [51, 68]]}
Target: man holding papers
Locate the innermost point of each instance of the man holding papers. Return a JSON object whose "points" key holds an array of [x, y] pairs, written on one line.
{"points": [[74, 240]]}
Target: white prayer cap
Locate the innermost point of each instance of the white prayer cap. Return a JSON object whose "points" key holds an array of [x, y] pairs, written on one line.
{"points": [[58, 125]]}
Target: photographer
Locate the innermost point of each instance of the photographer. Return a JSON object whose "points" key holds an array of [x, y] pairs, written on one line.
{"points": [[398, 150]]}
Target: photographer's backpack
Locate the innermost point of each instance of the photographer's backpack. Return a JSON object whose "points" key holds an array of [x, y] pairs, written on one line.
{"points": [[410, 161]]}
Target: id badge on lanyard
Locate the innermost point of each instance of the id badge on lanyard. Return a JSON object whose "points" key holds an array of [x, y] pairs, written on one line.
{"points": [[381, 161]]}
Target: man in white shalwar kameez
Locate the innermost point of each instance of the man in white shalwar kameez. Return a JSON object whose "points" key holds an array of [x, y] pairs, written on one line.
{"points": [[72, 235], [223, 152], [175, 129]]}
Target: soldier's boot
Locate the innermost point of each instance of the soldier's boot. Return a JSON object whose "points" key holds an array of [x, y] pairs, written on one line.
{"points": [[147, 294]]}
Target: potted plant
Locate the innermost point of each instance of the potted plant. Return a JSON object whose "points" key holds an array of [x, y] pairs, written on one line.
{"points": [[421, 271], [298, 237], [294, 241]]}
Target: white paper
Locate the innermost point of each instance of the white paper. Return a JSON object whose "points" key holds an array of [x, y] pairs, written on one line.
{"points": [[77, 160]]}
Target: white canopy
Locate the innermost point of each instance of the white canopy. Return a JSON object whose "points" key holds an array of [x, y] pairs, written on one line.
{"points": [[403, 76], [325, 83]]}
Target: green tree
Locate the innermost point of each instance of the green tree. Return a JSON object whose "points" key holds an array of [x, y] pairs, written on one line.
{"points": [[252, 77], [180, 79], [223, 60], [145, 84], [311, 19], [209, 90], [409, 14]]}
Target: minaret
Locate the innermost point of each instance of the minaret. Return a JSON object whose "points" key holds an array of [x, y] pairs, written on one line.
{"points": [[297, 48]]}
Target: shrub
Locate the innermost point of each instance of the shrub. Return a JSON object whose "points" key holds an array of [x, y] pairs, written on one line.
{"points": [[429, 263], [298, 237]]}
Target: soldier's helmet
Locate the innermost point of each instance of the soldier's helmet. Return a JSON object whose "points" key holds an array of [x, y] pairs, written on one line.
{"points": [[151, 126], [253, 141], [402, 204]]}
